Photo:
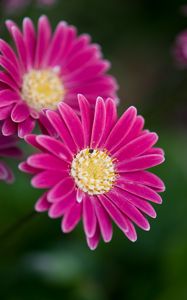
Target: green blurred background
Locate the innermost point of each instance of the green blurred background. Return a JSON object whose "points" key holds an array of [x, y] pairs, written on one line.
{"points": [[39, 262]]}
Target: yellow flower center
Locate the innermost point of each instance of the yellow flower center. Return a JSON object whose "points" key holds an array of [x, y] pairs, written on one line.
{"points": [[93, 171], [42, 89]]}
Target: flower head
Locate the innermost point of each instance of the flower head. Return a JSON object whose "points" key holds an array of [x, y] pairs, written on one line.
{"points": [[8, 149], [96, 170], [47, 68], [180, 49]]}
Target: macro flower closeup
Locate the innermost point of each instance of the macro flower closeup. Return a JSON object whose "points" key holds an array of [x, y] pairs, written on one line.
{"points": [[45, 69], [96, 170], [180, 49], [8, 149]]}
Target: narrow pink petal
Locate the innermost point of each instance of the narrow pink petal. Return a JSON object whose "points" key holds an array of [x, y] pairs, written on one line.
{"points": [[5, 112], [31, 140], [42, 204], [8, 81], [61, 190], [71, 217], [6, 173], [131, 233], [55, 46], [24, 167], [140, 163], [104, 221], [111, 117], [26, 127], [121, 129], [8, 97], [62, 130], [29, 37], [137, 146], [70, 35], [73, 123], [98, 123], [141, 191], [9, 127], [47, 179], [128, 209], [86, 118], [8, 52], [135, 130], [43, 39], [89, 217], [145, 178], [45, 125], [155, 151], [54, 146], [11, 152], [11, 69], [58, 209], [94, 241], [114, 212], [79, 44], [20, 112], [20, 46], [47, 162]]}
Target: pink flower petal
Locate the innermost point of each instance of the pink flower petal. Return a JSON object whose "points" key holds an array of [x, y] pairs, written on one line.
{"points": [[61, 129], [128, 209], [71, 217], [141, 191], [47, 179], [20, 112], [140, 163], [43, 39], [47, 162], [54, 146], [5, 112], [104, 221], [58, 209], [25, 127], [86, 118], [42, 204], [29, 37], [114, 213], [23, 166], [94, 241], [137, 146], [145, 178], [121, 128], [73, 124], [89, 218], [61, 190], [9, 127], [8, 97], [98, 123]]}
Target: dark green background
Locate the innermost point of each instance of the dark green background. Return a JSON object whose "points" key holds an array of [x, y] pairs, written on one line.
{"points": [[38, 262]]}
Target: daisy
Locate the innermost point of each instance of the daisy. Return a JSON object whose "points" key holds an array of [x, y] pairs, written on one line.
{"points": [[46, 69], [96, 170], [15, 6], [180, 49], [8, 149]]}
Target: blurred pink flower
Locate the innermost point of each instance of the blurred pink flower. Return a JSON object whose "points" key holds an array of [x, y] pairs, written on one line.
{"points": [[48, 68], [180, 49], [8, 149], [15, 6], [96, 170]]}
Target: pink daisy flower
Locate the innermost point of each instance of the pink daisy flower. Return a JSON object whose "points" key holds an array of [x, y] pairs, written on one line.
{"points": [[8, 149], [14, 6], [180, 49], [48, 68], [96, 170]]}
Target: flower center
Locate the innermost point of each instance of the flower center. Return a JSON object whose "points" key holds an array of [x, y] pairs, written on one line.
{"points": [[93, 171], [42, 89]]}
